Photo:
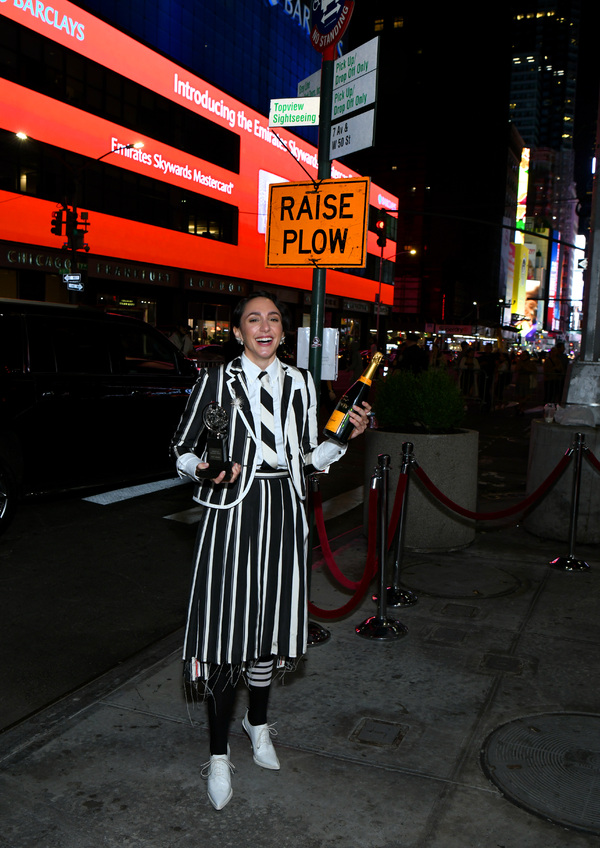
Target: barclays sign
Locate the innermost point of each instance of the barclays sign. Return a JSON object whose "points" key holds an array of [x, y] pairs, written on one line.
{"points": [[296, 10]]}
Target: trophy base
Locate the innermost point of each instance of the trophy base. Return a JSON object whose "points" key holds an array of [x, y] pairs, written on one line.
{"points": [[214, 469]]}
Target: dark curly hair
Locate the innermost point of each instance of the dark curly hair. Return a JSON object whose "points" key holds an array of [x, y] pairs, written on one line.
{"points": [[281, 308]]}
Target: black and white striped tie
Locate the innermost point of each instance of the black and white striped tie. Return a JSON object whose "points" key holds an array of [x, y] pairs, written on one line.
{"points": [[267, 421]]}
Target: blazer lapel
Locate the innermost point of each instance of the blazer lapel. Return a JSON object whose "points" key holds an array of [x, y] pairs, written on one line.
{"points": [[287, 385], [235, 382]]}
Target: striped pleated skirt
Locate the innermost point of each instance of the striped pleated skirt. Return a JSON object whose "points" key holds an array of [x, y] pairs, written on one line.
{"points": [[249, 595]]}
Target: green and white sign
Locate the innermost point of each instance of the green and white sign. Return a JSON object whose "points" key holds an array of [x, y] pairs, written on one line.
{"points": [[310, 86], [355, 79], [295, 112]]}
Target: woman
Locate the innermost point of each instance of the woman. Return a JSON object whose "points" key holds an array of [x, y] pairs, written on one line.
{"points": [[248, 603]]}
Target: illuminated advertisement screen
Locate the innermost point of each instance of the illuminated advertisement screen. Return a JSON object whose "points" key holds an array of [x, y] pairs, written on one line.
{"points": [[265, 158]]}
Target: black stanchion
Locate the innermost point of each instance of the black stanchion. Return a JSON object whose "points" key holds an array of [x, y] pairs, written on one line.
{"points": [[396, 595], [379, 627], [570, 562], [317, 634]]}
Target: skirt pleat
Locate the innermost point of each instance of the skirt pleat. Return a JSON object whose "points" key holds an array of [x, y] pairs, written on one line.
{"points": [[249, 596]]}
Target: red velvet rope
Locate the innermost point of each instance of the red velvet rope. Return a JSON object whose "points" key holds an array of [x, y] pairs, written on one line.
{"points": [[325, 547], [502, 513], [592, 459], [370, 566]]}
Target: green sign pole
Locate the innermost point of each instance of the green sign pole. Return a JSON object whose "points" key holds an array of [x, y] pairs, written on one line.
{"points": [[317, 313]]}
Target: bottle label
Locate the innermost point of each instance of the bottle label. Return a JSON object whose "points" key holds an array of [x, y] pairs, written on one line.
{"points": [[364, 379], [336, 420]]}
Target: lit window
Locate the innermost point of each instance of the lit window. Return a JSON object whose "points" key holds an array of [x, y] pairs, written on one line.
{"points": [[378, 24], [398, 23]]}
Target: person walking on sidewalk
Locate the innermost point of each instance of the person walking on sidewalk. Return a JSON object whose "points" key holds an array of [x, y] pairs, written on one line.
{"points": [[248, 607]]}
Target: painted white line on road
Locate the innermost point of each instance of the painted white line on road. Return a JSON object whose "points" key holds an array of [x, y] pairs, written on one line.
{"points": [[343, 503], [134, 491], [187, 516]]}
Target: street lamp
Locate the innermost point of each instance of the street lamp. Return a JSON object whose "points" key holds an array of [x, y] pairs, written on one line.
{"points": [[476, 305], [135, 144], [412, 252]]}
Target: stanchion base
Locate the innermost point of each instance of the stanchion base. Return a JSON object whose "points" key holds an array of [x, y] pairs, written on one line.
{"points": [[381, 629], [397, 597], [569, 564], [317, 635]]}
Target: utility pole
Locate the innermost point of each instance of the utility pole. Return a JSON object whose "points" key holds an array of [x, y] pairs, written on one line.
{"points": [[319, 282], [583, 383]]}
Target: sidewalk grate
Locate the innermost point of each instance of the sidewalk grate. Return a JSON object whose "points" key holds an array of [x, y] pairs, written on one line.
{"points": [[374, 731], [502, 662], [550, 766], [459, 578]]}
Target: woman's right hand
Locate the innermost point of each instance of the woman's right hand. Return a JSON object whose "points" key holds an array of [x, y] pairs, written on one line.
{"points": [[235, 471]]}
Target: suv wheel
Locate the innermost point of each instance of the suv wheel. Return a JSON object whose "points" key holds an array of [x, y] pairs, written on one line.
{"points": [[8, 496]]}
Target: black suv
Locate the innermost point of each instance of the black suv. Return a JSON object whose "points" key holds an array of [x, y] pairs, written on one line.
{"points": [[87, 399]]}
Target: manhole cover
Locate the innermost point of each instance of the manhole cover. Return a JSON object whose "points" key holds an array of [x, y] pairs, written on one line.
{"points": [[549, 765], [453, 578]]}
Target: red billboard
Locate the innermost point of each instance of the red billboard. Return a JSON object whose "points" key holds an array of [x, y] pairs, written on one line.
{"points": [[264, 160]]}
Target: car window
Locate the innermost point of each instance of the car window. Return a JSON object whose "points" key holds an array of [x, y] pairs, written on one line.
{"points": [[136, 349], [67, 345], [11, 344]]}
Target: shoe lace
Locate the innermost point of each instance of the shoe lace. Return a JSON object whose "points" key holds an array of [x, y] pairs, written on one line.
{"points": [[265, 735], [216, 767]]}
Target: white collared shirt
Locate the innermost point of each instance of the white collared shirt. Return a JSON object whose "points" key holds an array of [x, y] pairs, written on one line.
{"points": [[253, 383]]}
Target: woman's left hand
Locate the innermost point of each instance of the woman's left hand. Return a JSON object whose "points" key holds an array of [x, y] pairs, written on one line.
{"points": [[359, 418]]}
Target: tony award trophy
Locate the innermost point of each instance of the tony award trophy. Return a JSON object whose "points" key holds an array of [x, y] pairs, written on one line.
{"points": [[216, 421]]}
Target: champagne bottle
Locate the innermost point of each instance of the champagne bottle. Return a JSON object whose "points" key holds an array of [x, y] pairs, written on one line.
{"points": [[339, 427]]}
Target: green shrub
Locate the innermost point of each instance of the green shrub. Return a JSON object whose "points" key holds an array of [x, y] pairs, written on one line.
{"points": [[428, 402]]}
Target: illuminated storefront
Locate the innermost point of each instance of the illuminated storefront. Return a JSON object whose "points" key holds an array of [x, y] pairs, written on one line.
{"points": [[184, 215]]}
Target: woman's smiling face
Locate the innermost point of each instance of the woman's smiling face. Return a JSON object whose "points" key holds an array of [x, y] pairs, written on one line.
{"points": [[261, 331]]}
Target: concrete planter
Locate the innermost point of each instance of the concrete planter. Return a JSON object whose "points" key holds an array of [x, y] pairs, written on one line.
{"points": [[551, 519], [450, 461]]}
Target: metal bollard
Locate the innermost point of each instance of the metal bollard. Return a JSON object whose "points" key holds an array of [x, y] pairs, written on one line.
{"points": [[380, 627], [570, 562], [396, 596]]}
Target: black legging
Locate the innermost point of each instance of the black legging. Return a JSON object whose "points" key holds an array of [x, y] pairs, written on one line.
{"points": [[221, 696]]}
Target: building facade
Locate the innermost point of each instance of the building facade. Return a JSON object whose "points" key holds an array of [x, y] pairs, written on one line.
{"points": [[545, 55], [174, 229]]}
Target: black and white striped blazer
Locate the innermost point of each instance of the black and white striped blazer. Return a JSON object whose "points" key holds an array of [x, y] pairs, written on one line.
{"points": [[227, 386]]}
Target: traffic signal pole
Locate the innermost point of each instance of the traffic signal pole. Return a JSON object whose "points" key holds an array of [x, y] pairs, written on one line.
{"points": [[317, 312]]}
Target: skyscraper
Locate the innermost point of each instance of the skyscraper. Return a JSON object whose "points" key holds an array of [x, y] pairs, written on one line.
{"points": [[545, 53]]}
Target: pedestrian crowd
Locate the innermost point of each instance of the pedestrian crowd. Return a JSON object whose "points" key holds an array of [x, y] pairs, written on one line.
{"points": [[495, 378]]}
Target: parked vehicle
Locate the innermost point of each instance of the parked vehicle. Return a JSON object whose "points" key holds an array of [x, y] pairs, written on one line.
{"points": [[87, 399]]}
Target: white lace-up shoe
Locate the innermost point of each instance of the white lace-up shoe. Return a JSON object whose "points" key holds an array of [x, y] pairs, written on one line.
{"points": [[217, 772], [260, 736]]}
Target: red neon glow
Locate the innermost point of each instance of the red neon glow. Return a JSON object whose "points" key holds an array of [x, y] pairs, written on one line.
{"points": [[262, 158]]}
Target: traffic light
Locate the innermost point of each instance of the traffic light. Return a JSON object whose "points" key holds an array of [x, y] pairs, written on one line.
{"points": [[57, 223], [75, 233], [381, 227]]}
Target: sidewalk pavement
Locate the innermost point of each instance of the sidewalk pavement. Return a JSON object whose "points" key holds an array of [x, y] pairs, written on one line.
{"points": [[478, 729]]}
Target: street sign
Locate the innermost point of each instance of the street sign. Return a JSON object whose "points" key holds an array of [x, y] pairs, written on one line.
{"points": [[355, 79], [357, 63], [295, 112], [74, 282], [354, 95], [321, 225], [310, 86], [352, 134], [329, 21]]}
